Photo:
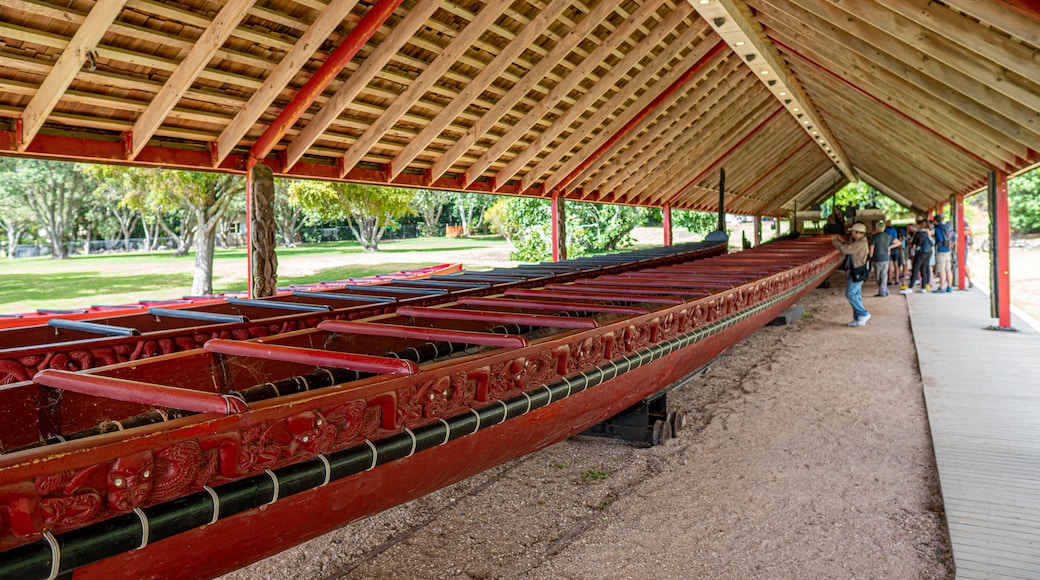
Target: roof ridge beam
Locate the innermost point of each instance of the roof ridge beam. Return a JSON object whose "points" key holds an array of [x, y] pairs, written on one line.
{"points": [[735, 23]]}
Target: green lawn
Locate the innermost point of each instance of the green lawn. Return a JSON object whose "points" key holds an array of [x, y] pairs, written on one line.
{"points": [[34, 283]]}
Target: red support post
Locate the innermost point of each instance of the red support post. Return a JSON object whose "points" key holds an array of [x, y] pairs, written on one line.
{"points": [[962, 247], [666, 213], [1001, 246]]}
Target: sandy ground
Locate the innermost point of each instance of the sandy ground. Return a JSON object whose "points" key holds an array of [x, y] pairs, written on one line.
{"points": [[807, 454]]}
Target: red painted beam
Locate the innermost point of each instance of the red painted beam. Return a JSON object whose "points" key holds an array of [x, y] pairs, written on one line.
{"points": [[499, 317], [962, 247], [312, 356], [138, 392], [553, 306], [647, 111], [328, 71], [600, 294], [422, 333]]}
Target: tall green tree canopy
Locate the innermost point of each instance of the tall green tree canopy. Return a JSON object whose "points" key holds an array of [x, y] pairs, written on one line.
{"points": [[368, 209], [56, 194], [591, 228], [1024, 202]]}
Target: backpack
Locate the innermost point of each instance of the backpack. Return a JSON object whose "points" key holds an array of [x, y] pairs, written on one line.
{"points": [[942, 237], [923, 242]]}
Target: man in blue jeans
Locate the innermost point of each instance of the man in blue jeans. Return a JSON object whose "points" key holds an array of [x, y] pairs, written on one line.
{"points": [[857, 252]]}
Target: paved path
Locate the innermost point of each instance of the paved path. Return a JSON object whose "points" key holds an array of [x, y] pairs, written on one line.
{"points": [[982, 389]]}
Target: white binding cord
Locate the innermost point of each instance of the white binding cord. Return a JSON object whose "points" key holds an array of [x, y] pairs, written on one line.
{"points": [[328, 470], [447, 431], [412, 435], [505, 411], [528, 397], [55, 554], [477, 415], [274, 478], [375, 455], [145, 529], [216, 503]]}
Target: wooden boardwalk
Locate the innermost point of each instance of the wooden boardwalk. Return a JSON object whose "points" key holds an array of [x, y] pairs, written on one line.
{"points": [[982, 389]]}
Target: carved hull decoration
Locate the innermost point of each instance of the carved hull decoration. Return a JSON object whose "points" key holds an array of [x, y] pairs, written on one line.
{"points": [[321, 426]]}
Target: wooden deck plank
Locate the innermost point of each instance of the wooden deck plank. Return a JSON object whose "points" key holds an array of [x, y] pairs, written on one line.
{"points": [[982, 393]]}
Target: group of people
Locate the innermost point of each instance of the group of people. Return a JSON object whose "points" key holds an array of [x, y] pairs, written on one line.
{"points": [[905, 256]]}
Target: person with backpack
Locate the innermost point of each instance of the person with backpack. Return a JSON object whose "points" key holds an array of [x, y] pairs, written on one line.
{"points": [[857, 269], [921, 244], [943, 256]]}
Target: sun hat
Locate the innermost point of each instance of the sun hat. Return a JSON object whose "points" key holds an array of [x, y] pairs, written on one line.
{"points": [[859, 227]]}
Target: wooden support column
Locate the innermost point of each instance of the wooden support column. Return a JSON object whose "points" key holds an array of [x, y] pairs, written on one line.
{"points": [[559, 228], [263, 262], [250, 164], [758, 230], [666, 214], [999, 246]]}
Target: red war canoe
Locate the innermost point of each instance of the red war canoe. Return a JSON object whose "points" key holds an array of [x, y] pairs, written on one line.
{"points": [[102, 311], [225, 455], [84, 344]]}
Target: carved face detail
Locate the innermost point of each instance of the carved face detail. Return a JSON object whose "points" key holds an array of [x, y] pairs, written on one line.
{"points": [[130, 481]]}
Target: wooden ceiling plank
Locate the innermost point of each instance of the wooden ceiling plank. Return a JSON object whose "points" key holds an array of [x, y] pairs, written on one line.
{"points": [[615, 152], [411, 95], [920, 109], [735, 83], [977, 40], [559, 92], [1000, 55], [750, 124], [608, 130], [334, 106], [899, 86], [529, 81], [186, 73], [984, 98], [486, 76], [713, 127], [937, 120], [996, 14], [653, 147], [897, 136], [68, 64], [171, 12], [609, 81], [282, 75], [882, 187], [668, 187], [745, 158]]}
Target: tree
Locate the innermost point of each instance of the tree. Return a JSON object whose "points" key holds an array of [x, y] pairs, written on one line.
{"points": [[470, 207], [16, 219], [368, 209], [1024, 202], [115, 186], [861, 195], [160, 211], [591, 228], [290, 217], [430, 204], [695, 222], [55, 192]]}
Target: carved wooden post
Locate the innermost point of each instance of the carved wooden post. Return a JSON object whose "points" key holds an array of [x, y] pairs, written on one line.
{"points": [[559, 228], [262, 259]]}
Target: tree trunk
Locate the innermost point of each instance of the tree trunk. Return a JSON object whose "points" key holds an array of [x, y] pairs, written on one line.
{"points": [[202, 283]]}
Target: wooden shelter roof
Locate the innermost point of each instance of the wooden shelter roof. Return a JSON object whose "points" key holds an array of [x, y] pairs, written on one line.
{"points": [[632, 101]]}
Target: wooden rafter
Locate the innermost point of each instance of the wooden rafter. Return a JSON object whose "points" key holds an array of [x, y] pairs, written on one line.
{"points": [[281, 75], [72, 59]]}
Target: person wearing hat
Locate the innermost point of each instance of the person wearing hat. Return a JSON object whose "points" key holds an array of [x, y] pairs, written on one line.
{"points": [[881, 246], [857, 252]]}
